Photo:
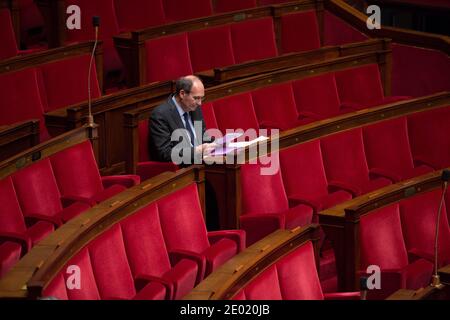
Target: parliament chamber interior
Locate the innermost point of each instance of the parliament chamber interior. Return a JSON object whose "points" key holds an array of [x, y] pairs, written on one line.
{"points": [[356, 209]]}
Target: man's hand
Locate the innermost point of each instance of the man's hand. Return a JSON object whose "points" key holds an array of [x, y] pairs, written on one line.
{"points": [[205, 148]]}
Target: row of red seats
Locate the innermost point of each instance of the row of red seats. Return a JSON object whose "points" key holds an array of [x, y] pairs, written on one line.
{"points": [[29, 93], [186, 53], [400, 240], [41, 197], [293, 277], [295, 103], [323, 173], [160, 252]]}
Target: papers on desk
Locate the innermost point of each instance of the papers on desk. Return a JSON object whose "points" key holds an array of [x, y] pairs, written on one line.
{"points": [[228, 138], [231, 146]]}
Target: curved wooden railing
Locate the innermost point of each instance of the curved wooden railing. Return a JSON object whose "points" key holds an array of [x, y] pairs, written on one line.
{"points": [[237, 272], [28, 278]]}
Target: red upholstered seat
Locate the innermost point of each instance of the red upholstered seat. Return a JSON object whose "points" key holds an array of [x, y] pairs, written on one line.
{"points": [[246, 46], [336, 31], [361, 87], [219, 52], [8, 48], [235, 112], [418, 215], [176, 10], [15, 106], [317, 97], [300, 32], [265, 206], [148, 257], [388, 151], [167, 58], [112, 272], [293, 277], [429, 135], [139, 14], [78, 177], [56, 289], [185, 233], [73, 89], [209, 116], [109, 28], [304, 177], [9, 255], [146, 168], [275, 107], [382, 244], [233, 5], [12, 222], [345, 163], [39, 196]]}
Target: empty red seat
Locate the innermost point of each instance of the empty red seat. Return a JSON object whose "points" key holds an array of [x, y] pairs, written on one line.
{"points": [[12, 222], [429, 136], [382, 244], [265, 206], [15, 105], [147, 168], [336, 31], [233, 5], [299, 32], [185, 233], [148, 257], [235, 112], [293, 277], [317, 97], [78, 177], [109, 28], [112, 272], [275, 107], [218, 42], [9, 255], [139, 14], [209, 116], [39, 196], [73, 89], [167, 58], [361, 87], [388, 152], [304, 177], [247, 47], [176, 10], [345, 163], [418, 215], [8, 48]]}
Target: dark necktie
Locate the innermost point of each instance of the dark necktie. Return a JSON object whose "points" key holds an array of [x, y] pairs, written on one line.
{"points": [[188, 128]]}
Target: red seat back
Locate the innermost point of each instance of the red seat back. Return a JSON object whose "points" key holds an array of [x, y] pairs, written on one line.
{"points": [[300, 32], [276, 105], [7, 38], [182, 221], [219, 52], [262, 193], [318, 95], [11, 218], [361, 85], [418, 216], [233, 5], [381, 239], [176, 10], [247, 47], [303, 170], [74, 88], [76, 171], [235, 112], [167, 58], [37, 190], [139, 14]]}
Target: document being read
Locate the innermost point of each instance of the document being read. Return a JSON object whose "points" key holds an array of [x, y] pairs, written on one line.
{"points": [[225, 145]]}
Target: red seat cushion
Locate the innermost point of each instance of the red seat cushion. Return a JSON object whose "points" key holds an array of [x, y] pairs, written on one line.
{"points": [[219, 253], [299, 32], [139, 14]]}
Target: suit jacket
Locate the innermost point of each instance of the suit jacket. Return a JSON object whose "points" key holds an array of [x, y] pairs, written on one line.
{"points": [[164, 120]]}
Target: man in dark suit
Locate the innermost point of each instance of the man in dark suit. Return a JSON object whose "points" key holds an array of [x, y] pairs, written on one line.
{"points": [[177, 127]]}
